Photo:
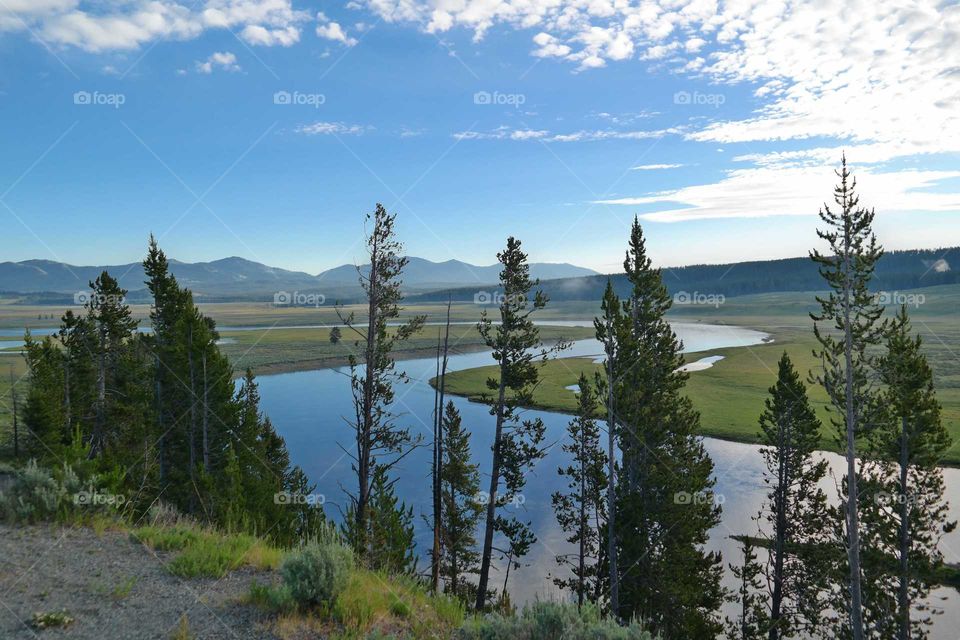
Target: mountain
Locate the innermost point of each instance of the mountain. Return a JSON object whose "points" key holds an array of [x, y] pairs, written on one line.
{"points": [[897, 270], [236, 278], [421, 273]]}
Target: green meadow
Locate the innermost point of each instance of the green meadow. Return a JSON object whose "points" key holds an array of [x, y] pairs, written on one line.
{"points": [[730, 394]]}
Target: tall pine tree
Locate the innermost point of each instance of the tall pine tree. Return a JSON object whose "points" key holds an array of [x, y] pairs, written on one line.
{"points": [[666, 505]]}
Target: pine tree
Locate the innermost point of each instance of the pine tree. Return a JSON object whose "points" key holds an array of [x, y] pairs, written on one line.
{"points": [[460, 485], [380, 442], [752, 621], [607, 329], [666, 505], [114, 328], [790, 432], [335, 335], [581, 511], [850, 316], [904, 511], [517, 349], [388, 528]]}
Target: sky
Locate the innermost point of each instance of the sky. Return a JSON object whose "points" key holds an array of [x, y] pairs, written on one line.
{"points": [[266, 129]]}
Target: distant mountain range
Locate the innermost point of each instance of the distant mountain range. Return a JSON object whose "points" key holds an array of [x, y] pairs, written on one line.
{"points": [[237, 278], [897, 270]]}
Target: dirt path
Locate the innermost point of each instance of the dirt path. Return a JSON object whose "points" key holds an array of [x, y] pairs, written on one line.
{"points": [[113, 588]]}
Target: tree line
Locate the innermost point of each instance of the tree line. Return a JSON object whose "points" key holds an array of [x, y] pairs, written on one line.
{"points": [[157, 412]]}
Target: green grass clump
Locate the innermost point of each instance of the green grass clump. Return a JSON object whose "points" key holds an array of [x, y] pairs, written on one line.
{"points": [[53, 619], [544, 620], [208, 553], [375, 602]]}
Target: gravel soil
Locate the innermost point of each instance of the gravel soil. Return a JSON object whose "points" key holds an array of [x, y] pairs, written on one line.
{"points": [[114, 588]]}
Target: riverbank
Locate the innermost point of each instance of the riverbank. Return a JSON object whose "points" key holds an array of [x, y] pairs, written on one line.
{"points": [[729, 395]]}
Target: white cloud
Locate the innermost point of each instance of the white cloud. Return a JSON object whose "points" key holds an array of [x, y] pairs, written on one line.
{"points": [[330, 30], [224, 60], [655, 167], [889, 91], [256, 34], [96, 26], [775, 191], [331, 128], [508, 133]]}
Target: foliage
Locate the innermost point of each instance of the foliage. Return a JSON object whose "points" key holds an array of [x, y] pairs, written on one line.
{"points": [[666, 506], [548, 620], [317, 573], [904, 512], [379, 441], [794, 508], [581, 511], [517, 348], [460, 513], [847, 326]]}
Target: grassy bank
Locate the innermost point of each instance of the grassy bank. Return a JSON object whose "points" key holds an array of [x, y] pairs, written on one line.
{"points": [[730, 394]]}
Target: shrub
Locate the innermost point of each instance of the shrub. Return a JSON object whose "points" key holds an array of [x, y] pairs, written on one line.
{"points": [[34, 496], [275, 599], [317, 573], [548, 620]]}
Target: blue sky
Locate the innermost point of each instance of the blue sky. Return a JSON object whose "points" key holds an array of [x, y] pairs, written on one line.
{"points": [[266, 128]]}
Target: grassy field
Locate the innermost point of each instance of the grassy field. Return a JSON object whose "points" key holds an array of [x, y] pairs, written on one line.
{"points": [[283, 349], [730, 394], [242, 314]]}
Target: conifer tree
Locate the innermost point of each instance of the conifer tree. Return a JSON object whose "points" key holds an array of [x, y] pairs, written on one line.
{"points": [[517, 349], [795, 506], [460, 485], [581, 509], [753, 619], [666, 505], [849, 315], [607, 328], [904, 511], [380, 442]]}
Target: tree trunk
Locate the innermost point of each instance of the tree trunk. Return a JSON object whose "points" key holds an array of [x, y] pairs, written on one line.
{"points": [[611, 494], [162, 440], [583, 522], [437, 436], [438, 448], [193, 419], [16, 433], [366, 418], [903, 596], [96, 443], [492, 498], [206, 416], [853, 515], [780, 504]]}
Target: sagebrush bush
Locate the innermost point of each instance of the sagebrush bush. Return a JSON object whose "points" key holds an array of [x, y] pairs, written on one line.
{"points": [[317, 573], [549, 620], [34, 496], [63, 493]]}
